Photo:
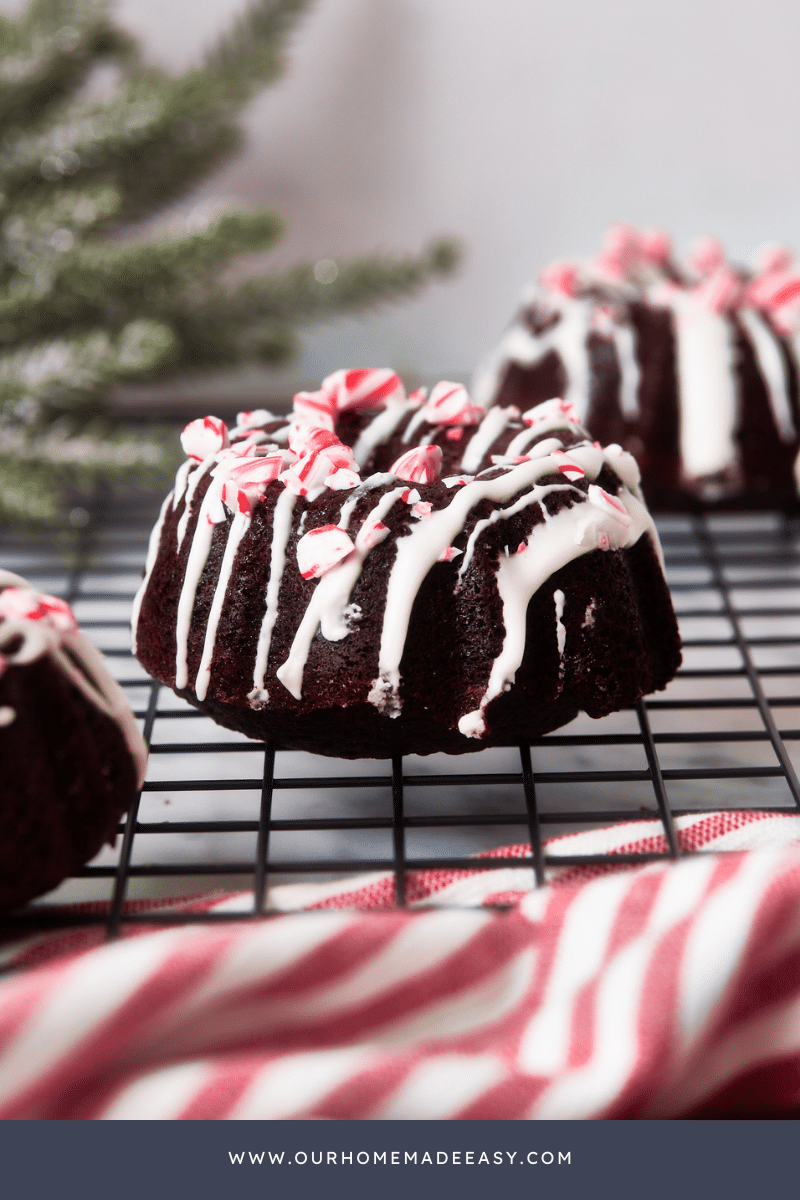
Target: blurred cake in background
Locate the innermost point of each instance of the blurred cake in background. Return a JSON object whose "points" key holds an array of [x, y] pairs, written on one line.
{"points": [[71, 753], [692, 368]]}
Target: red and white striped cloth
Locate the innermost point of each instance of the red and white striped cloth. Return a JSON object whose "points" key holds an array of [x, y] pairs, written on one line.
{"points": [[666, 990]]}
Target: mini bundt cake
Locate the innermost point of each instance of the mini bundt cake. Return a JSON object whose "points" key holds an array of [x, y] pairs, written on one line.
{"points": [[73, 758], [383, 574], [692, 369]]}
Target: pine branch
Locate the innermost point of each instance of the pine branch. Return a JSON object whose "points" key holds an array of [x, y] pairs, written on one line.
{"points": [[33, 472], [250, 54], [98, 283], [256, 317], [72, 376], [48, 51]]}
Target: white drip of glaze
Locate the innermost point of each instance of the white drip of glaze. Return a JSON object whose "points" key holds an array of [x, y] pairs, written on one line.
{"points": [[326, 609], [381, 429], [153, 547], [565, 537], [191, 488], [707, 392], [181, 480], [773, 370], [568, 338], [423, 546], [487, 433], [630, 375], [413, 425], [198, 557], [80, 661], [535, 496], [561, 629], [281, 528], [239, 527]]}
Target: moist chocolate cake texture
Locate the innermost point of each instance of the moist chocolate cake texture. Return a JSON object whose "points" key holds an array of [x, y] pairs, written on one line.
{"points": [[691, 367], [72, 756], [382, 573]]}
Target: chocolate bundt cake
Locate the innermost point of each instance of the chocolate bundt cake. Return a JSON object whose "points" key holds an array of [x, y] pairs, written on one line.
{"points": [[382, 574], [72, 756], [693, 369]]}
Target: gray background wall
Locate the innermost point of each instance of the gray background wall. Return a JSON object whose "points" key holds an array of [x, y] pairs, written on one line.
{"points": [[520, 126]]}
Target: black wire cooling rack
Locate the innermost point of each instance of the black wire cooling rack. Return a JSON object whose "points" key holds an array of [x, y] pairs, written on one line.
{"points": [[220, 814]]}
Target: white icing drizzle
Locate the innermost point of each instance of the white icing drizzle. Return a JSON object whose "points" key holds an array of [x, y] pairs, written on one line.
{"points": [[487, 433], [381, 429], [413, 425], [281, 529], [347, 508], [565, 537], [630, 374], [181, 480], [535, 496], [198, 557], [773, 370], [568, 338], [191, 488], [152, 554], [520, 444], [239, 527], [80, 661], [326, 609], [707, 392], [422, 547], [561, 629]]}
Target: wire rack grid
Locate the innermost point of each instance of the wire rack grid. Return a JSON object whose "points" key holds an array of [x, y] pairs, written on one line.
{"points": [[221, 814]]}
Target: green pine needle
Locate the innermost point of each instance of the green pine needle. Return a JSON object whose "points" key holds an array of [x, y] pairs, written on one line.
{"points": [[84, 305]]}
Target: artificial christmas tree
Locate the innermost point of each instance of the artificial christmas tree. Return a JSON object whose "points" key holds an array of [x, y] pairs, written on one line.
{"points": [[83, 305]]}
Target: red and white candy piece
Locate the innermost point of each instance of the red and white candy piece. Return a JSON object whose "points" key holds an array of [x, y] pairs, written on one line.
{"points": [[315, 408], [363, 389], [706, 255], [322, 456], [655, 246], [371, 533], [343, 480], [563, 277], [609, 504], [420, 465], [422, 510], [774, 258], [449, 554], [321, 549], [253, 419], [621, 254], [566, 467], [450, 404], [24, 604], [203, 438], [550, 410], [248, 479], [721, 291]]}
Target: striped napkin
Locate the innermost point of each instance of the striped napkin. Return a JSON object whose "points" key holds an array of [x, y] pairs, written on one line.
{"points": [[666, 990]]}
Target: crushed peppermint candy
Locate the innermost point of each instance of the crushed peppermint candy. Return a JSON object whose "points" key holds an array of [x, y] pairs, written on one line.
{"points": [[450, 404], [420, 465], [321, 549], [24, 604], [253, 419], [371, 533], [570, 469], [203, 438], [449, 554], [363, 389], [609, 504], [422, 510]]}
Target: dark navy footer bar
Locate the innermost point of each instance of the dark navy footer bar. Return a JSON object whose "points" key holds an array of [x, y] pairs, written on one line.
{"points": [[141, 1160]]}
